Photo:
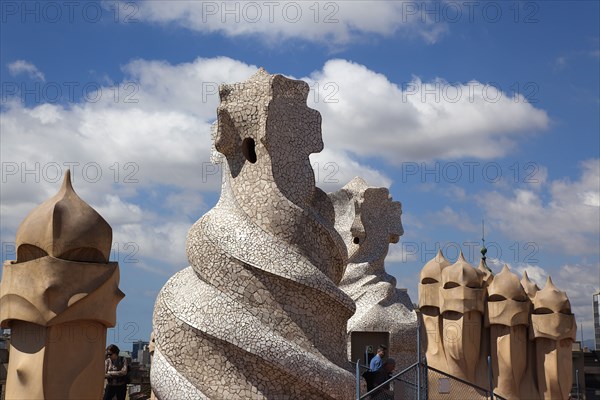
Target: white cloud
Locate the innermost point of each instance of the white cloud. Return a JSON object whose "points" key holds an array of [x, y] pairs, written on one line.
{"points": [[455, 193], [156, 146], [123, 144], [534, 175], [156, 150], [398, 253], [536, 274], [333, 169], [140, 234], [458, 220], [158, 239], [367, 114], [114, 209], [590, 198], [24, 67], [155, 137], [567, 222], [331, 23], [190, 88]]}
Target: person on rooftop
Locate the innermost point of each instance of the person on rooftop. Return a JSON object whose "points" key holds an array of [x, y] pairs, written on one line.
{"points": [[115, 372], [377, 361]]}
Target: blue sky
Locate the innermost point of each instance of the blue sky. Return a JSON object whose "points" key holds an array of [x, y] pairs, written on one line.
{"points": [[466, 110]]}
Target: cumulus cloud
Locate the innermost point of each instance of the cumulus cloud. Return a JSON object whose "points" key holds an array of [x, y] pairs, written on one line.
{"points": [[143, 160], [535, 273], [398, 253], [331, 23], [333, 169], [155, 136], [141, 234], [457, 219], [153, 150], [566, 222], [24, 67], [367, 114], [103, 145], [190, 87]]}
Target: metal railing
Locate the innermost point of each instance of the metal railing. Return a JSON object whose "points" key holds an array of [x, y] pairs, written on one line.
{"points": [[462, 389], [418, 365], [415, 381], [384, 384]]}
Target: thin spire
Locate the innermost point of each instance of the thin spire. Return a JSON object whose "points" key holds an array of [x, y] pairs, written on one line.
{"points": [[483, 248]]}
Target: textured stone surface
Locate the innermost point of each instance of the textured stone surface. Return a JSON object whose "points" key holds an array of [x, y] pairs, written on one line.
{"points": [[58, 298], [528, 331], [258, 314], [151, 348], [553, 329], [430, 281], [508, 310], [368, 221], [461, 308]]}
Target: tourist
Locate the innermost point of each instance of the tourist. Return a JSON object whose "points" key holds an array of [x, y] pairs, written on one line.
{"points": [[377, 361], [383, 374], [115, 372]]}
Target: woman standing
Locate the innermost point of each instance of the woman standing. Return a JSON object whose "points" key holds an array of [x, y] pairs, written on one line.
{"points": [[115, 372]]}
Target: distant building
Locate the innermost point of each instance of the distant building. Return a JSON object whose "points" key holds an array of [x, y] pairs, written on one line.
{"points": [[596, 299], [137, 346], [578, 388], [143, 356], [4, 352]]}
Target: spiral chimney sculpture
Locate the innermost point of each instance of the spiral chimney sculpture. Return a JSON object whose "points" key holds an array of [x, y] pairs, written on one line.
{"points": [[258, 313]]}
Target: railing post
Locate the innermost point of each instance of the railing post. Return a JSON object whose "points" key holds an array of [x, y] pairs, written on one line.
{"points": [[491, 377], [426, 378], [358, 379], [418, 359]]}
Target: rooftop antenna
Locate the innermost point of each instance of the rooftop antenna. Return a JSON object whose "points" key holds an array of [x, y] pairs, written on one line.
{"points": [[483, 248]]}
